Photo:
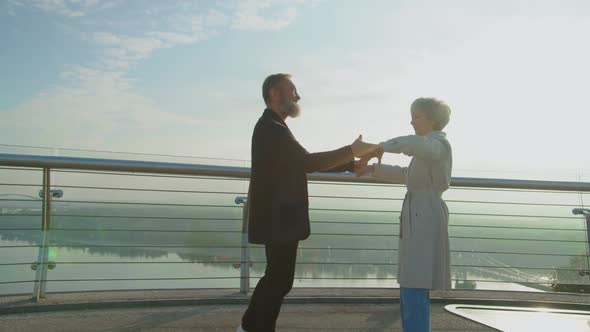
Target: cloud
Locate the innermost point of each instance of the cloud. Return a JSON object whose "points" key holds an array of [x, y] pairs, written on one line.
{"points": [[96, 104], [266, 14], [65, 8], [174, 38], [252, 20], [215, 18], [122, 51], [92, 108]]}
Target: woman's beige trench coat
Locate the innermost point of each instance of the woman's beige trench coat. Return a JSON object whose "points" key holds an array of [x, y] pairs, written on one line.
{"points": [[424, 258]]}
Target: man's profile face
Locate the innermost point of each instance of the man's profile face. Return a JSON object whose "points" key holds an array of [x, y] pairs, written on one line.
{"points": [[288, 98]]}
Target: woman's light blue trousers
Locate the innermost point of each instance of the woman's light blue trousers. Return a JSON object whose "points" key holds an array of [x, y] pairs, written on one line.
{"points": [[415, 309]]}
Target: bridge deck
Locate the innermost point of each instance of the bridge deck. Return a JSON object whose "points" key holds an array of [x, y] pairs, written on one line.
{"points": [[221, 310]]}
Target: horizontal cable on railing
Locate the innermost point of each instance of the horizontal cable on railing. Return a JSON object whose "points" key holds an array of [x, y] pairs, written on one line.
{"points": [[451, 201], [312, 221], [22, 246], [15, 282], [140, 189], [511, 215], [21, 229], [193, 262], [311, 209], [18, 215], [520, 228], [515, 239], [514, 253], [182, 246], [514, 190], [137, 279], [311, 196], [20, 185], [393, 235], [302, 248], [154, 175], [146, 230], [177, 231], [296, 278], [260, 247], [348, 210], [130, 203], [515, 268], [234, 220], [54, 148], [539, 282], [518, 268], [454, 251], [513, 281], [142, 217], [511, 203], [60, 245], [353, 222]]}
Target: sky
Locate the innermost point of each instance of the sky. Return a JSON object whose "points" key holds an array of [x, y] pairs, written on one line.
{"points": [[184, 77]]}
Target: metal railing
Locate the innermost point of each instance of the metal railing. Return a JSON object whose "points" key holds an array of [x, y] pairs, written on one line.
{"points": [[49, 165]]}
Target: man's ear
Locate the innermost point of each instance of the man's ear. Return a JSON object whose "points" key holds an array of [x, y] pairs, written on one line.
{"points": [[274, 93]]}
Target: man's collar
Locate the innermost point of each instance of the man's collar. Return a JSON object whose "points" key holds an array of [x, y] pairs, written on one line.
{"points": [[275, 116]]}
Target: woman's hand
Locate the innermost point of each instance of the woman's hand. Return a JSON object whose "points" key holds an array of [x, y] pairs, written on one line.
{"points": [[377, 152]]}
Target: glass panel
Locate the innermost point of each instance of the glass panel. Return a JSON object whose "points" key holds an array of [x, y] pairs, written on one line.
{"points": [[20, 225], [135, 231], [121, 231]]}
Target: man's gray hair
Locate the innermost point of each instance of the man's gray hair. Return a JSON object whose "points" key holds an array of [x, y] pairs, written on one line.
{"points": [[271, 82], [436, 110]]}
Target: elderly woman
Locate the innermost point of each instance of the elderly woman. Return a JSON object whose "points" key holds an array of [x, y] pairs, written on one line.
{"points": [[424, 257]]}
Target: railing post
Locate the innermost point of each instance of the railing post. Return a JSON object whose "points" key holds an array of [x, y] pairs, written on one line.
{"points": [[586, 214], [42, 257], [245, 256]]}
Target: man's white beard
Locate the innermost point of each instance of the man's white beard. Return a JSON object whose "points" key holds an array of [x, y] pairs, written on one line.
{"points": [[291, 108]]}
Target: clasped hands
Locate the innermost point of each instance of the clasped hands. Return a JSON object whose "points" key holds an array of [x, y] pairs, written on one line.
{"points": [[365, 151]]}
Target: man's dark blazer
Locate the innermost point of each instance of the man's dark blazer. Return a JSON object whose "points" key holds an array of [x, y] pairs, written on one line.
{"points": [[278, 201]]}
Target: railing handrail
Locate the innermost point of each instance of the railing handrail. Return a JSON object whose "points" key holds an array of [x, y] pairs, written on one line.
{"points": [[154, 167]]}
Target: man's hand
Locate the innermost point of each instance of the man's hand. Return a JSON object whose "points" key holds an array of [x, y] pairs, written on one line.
{"points": [[361, 168], [366, 151], [361, 149]]}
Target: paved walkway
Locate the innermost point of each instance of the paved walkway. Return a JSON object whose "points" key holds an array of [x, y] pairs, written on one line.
{"points": [[221, 310], [294, 317]]}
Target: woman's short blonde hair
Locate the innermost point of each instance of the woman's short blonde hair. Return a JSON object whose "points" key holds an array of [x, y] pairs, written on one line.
{"points": [[436, 110]]}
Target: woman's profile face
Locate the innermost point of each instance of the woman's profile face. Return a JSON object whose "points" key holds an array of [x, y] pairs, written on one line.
{"points": [[422, 124]]}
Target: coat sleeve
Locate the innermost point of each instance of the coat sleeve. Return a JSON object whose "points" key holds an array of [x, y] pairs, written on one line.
{"points": [[423, 147], [389, 173], [339, 160]]}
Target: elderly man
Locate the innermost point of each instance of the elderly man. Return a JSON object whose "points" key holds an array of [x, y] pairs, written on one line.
{"points": [[278, 200]]}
